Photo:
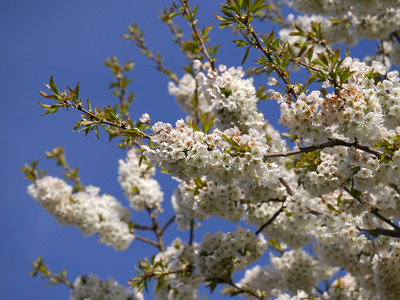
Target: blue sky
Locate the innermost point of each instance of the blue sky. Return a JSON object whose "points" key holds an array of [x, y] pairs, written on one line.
{"points": [[70, 40]]}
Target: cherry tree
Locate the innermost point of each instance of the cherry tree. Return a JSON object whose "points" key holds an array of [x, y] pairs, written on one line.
{"points": [[324, 196]]}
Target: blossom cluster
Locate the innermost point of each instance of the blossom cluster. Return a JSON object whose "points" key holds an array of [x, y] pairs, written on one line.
{"points": [[200, 199], [232, 99], [219, 255], [86, 210], [180, 284], [189, 98], [371, 19], [136, 181], [362, 108], [93, 288], [294, 270], [223, 157]]}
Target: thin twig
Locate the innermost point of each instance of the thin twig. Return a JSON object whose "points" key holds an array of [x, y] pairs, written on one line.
{"points": [[157, 229], [146, 240], [244, 291], [378, 230], [192, 23], [141, 227], [167, 224], [286, 185], [382, 231], [331, 143], [191, 232], [375, 211], [281, 73], [270, 220]]}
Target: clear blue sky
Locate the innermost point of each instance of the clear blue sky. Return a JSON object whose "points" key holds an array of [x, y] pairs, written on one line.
{"points": [[71, 40]]}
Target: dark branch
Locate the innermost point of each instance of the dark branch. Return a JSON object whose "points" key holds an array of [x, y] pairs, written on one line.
{"points": [[270, 220], [331, 143]]}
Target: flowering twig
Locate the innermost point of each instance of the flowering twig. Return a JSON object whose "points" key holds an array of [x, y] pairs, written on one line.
{"points": [[136, 35], [192, 23], [235, 290], [331, 143], [40, 268]]}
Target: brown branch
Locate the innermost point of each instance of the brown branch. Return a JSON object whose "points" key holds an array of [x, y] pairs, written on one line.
{"points": [[278, 70], [167, 224], [157, 229], [146, 240], [122, 126], [286, 185], [191, 232], [382, 231], [141, 227], [94, 116], [192, 24], [270, 220], [375, 211], [243, 290], [331, 143], [379, 231]]}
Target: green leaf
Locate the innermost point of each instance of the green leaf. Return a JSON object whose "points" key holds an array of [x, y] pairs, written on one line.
{"points": [[72, 95], [135, 190], [246, 54], [194, 125], [206, 123], [53, 86], [198, 182], [76, 91]]}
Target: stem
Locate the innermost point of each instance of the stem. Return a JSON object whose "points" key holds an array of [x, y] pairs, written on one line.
{"points": [[375, 211], [94, 116], [192, 23], [244, 291], [270, 220], [331, 143], [382, 231], [157, 230], [146, 240], [278, 70], [191, 232], [167, 224]]}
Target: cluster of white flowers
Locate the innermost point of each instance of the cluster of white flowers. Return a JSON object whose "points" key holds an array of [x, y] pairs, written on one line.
{"points": [[294, 270], [88, 211], [136, 181], [219, 255], [180, 286], [189, 98], [346, 287], [371, 19], [330, 31], [193, 200], [386, 266], [327, 175], [232, 98], [93, 288], [362, 108], [186, 153]]}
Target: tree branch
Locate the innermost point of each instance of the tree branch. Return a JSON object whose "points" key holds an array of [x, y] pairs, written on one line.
{"points": [[382, 231], [270, 220], [192, 23], [167, 224], [331, 143], [146, 240]]}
